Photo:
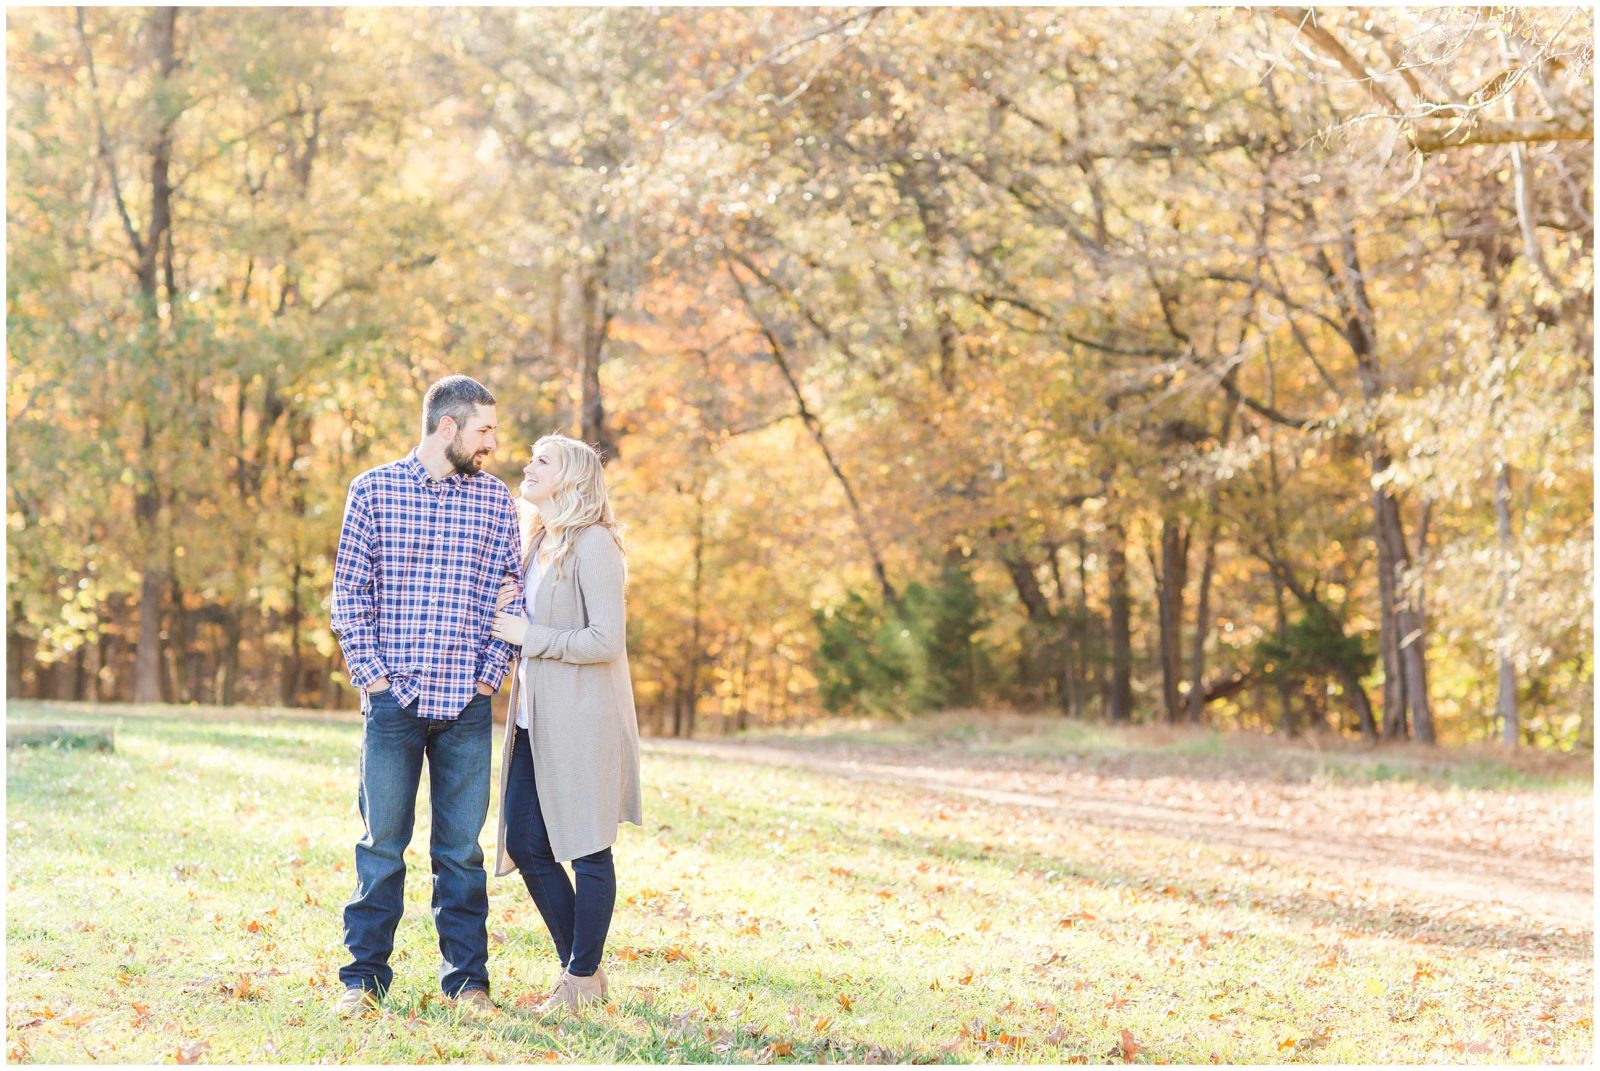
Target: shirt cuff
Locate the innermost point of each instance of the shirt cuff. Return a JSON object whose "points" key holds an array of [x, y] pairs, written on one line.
{"points": [[366, 671], [492, 674]]}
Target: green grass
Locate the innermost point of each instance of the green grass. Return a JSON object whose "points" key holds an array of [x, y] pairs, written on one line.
{"points": [[182, 896], [1305, 759]]}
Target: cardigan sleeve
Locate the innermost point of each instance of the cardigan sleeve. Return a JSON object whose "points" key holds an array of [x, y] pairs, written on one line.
{"points": [[601, 576]]}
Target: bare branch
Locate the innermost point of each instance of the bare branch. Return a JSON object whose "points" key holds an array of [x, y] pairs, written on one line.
{"points": [[106, 155], [1504, 131], [773, 57]]}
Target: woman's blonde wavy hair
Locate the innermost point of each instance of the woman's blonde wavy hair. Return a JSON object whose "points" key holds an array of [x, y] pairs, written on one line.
{"points": [[579, 501]]}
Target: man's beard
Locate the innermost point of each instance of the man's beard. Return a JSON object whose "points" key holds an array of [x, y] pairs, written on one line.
{"points": [[465, 463]]}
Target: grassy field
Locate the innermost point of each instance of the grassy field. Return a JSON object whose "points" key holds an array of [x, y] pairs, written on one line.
{"points": [[178, 901]]}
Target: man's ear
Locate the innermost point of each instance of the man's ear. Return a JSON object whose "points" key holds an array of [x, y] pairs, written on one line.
{"points": [[447, 428]]}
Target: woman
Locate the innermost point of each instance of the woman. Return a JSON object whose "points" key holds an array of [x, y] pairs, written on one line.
{"points": [[569, 771]]}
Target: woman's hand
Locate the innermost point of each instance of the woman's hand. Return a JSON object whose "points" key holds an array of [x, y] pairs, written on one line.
{"points": [[507, 596], [511, 628]]}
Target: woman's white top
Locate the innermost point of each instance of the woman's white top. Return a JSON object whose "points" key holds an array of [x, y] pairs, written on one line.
{"points": [[530, 584]]}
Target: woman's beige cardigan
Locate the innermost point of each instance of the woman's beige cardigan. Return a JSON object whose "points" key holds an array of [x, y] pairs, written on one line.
{"points": [[581, 721]]}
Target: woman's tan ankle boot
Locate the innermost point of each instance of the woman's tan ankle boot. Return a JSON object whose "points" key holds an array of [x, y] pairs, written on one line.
{"points": [[572, 993]]}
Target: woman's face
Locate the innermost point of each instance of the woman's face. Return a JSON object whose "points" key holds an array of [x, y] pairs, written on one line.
{"points": [[541, 476]]}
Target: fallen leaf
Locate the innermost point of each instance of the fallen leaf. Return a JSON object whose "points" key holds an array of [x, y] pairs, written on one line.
{"points": [[1130, 1048], [244, 989], [190, 1053], [846, 1002]]}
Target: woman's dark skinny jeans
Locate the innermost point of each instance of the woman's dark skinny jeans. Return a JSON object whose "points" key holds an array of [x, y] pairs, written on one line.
{"points": [[577, 921]]}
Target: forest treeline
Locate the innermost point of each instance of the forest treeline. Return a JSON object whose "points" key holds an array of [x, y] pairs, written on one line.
{"points": [[1212, 366]]}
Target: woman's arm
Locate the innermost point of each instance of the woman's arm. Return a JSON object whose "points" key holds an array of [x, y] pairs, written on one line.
{"points": [[601, 575]]}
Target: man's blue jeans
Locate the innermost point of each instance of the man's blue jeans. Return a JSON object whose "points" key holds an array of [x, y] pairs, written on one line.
{"points": [[393, 745]]}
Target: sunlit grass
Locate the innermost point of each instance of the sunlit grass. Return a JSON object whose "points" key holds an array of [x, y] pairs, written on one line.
{"points": [[1307, 758], [182, 896]]}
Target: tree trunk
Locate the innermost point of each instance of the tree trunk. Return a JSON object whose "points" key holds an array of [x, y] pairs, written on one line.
{"points": [[1202, 613], [1202, 625], [597, 316], [1069, 693], [153, 581], [1169, 609], [1121, 623], [232, 642], [1413, 646], [152, 586], [291, 671], [1391, 556], [20, 651], [1404, 642], [696, 653], [1039, 644], [1506, 701], [1083, 665]]}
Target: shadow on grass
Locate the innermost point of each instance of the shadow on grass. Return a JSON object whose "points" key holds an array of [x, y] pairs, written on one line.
{"points": [[644, 1031]]}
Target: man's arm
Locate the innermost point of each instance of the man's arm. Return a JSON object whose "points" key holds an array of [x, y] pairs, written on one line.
{"points": [[355, 599], [494, 656]]}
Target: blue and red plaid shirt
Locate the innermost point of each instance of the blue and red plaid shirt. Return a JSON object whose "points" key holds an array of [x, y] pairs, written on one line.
{"points": [[419, 566]]}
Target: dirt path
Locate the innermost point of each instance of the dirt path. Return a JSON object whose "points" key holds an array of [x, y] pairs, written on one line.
{"points": [[1529, 854]]}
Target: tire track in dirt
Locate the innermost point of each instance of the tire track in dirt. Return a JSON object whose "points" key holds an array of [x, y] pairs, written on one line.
{"points": [[1540, 865]]}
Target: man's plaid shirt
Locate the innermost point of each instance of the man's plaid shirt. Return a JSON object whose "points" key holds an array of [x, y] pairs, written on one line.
{"points": [[419, 565]]}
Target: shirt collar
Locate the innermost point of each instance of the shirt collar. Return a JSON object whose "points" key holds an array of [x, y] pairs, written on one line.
{"points": [[413, 464]]}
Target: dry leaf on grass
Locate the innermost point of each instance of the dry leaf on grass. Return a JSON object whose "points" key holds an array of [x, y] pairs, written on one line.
{"points": [[1128, 1047], [190, 1052]]}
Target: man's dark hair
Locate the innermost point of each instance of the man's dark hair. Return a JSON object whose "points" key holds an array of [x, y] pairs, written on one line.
{"points": [[453, 396]]}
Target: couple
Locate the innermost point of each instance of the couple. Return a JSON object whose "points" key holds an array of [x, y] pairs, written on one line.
{"points": [[431, 595]]}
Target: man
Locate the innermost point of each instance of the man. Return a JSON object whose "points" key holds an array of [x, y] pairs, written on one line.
{"points": [[427, 542]]}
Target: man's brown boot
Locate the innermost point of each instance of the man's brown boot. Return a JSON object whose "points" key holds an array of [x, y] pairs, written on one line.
{"points": [[355, 1002], [475, 1001]]}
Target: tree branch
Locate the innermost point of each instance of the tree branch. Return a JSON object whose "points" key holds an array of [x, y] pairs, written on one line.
{"points": [[106, 155]]}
